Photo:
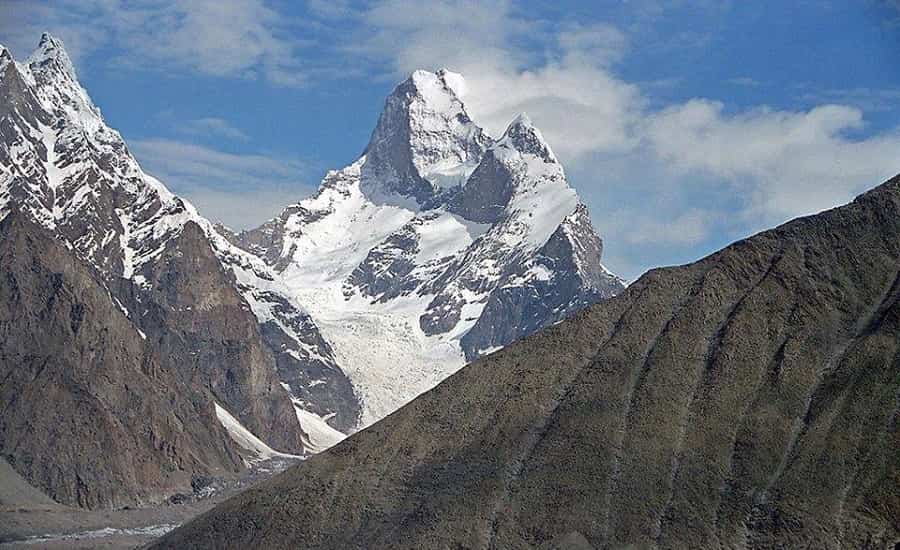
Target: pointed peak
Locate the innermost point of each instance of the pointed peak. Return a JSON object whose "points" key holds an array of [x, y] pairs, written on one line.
{"points": [[439, 90], [49, 41], [51, 55], [523, 136], [6, 60], [522, 119], [424, 140], [5, 57]]}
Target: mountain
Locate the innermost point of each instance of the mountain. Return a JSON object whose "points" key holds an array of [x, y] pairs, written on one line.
{"points": [[182, 338], [437, 245], [748, 400], [74, 174]]}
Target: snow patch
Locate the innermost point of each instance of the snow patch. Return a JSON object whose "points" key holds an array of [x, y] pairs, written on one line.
{"points": [[320, 436], [245, 438]]}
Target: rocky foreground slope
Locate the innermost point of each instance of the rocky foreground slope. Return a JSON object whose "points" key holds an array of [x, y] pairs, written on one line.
{"points": [[748, 400]]}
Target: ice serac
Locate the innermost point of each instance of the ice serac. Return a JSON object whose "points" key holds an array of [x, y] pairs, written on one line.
{"points": [[437, 245], [748, 400], [424, 141], [214, 316]]}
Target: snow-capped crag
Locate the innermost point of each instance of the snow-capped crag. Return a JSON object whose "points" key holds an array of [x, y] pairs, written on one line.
{"points": [[439, 244]]}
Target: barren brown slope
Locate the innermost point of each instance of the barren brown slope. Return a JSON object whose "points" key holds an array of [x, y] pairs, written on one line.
{"points": [[88, 414], [749, 400]]}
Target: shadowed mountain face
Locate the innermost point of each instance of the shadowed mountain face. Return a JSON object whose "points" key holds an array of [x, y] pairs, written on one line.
{"points": [[91, 414], [748, 400]]}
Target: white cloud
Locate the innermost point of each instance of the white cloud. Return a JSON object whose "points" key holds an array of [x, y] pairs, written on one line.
{"points": [[234, 38], [211, 126], [579, 108], [785, 163], [221, 38], [413, 35], [597, 44], [240, 190]]}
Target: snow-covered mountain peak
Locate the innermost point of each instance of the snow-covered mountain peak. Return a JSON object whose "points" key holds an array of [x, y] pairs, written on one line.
{"points": [[51, 55], [63, 166], [5, 60], [57, 86], [524, 137], [425, 142]]}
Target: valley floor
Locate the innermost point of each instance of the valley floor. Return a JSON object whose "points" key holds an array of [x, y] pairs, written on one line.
{"points": [[28, 519]]}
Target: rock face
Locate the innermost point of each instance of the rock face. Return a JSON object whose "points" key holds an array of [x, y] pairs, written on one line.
{"points": [[92, 414], [424, 141], [748, 400], [439, 244], [206, 333]]}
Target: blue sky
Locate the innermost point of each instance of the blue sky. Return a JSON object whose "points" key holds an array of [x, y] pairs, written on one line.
{"points": [[683, 125]]}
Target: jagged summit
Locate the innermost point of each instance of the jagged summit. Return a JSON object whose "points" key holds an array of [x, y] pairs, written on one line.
{"points": [[426, 146], [51, 55], [5, 60], [523, 136], [424, 141], [495, 245], [58, 89], [49, 44]]}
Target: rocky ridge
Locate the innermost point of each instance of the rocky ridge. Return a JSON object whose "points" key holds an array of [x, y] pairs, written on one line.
{"points": [[177, 283], [747, 400]]}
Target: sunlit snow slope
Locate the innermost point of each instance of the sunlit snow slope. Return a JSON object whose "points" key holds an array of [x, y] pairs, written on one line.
{"points": [[438, 245]]}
